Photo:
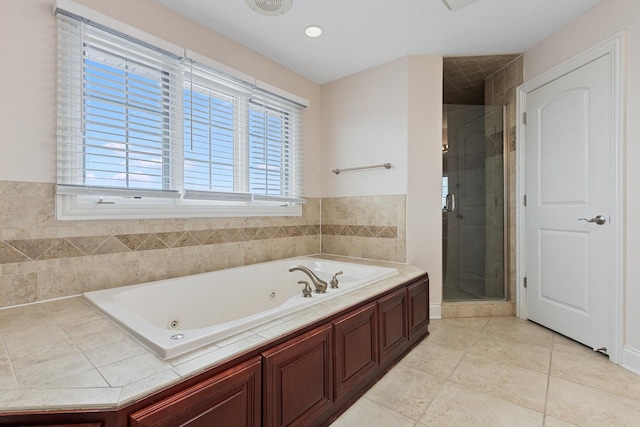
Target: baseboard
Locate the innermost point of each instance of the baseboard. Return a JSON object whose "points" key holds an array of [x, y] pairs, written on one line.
{"points": [[631, 360], [435, 311]]}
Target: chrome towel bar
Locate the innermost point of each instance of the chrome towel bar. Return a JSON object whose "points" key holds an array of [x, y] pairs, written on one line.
{"points": [[384, 165]]}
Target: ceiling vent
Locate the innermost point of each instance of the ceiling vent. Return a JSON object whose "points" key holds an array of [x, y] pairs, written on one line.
{"points": [[457, 4], [270, 7]]}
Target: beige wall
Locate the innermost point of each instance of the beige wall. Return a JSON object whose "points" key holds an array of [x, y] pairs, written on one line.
{"points": [[603, 21], [28, 79], [390, 113], [364, 122]]}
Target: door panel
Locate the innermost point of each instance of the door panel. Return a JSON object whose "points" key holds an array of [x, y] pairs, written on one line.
{"points": [[564, 262], [565, 146], [569, 177]]}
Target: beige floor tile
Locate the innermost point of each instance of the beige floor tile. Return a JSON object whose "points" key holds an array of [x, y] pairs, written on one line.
{"points": [[587, 406], [370, 414], [496, 370], [518, 385], [532, 356], [433, 358], [580, 364], [460, 406], [406, 390], [554, 422], [517, 330], [456, 333]]}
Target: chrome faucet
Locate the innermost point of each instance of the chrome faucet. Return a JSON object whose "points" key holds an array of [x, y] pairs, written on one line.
{"points": [[320, 285]]}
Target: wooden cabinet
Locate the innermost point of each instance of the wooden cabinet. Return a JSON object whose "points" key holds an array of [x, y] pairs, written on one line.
{"points": [[356, 348], [231, 398], [298, 379], [307, 380], [393, 324]]}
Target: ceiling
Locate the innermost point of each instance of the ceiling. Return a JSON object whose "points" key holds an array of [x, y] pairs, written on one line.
{"points": [[360, 34], [464, 76]]}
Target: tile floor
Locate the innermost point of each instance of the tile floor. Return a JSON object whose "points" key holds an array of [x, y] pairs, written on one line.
{"points": [[495, 372]]}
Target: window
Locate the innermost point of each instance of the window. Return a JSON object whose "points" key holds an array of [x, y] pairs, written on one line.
{"points": [[143, 132]]}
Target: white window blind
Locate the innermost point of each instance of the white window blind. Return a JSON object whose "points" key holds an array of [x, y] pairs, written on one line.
{"points": [[139, 122], [118, 111], [274, 147], [239, 139]]}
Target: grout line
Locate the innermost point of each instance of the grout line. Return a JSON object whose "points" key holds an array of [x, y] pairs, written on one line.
{"points": [[546, 396]]}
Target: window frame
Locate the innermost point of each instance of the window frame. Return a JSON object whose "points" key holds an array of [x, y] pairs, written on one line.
{"points": [[78, 201]]}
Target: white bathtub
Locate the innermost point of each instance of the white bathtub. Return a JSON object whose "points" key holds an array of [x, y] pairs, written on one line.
{"points": [[174, 316]]}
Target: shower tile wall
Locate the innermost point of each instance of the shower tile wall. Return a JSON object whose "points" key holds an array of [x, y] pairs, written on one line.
{"points": [[41, 258], [370, 227]]}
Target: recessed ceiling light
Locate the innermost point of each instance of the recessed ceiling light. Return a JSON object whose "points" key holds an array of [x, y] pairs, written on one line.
{"points": [[313, 31]]}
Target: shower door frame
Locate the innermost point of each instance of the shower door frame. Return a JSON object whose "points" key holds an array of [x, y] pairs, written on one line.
{"points": [[505, 214]]}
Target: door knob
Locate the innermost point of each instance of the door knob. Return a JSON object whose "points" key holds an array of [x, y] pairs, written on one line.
{"points": [[600, 219]]}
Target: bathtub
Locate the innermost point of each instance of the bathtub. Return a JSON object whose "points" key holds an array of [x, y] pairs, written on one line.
{"points": [[174, 316]]}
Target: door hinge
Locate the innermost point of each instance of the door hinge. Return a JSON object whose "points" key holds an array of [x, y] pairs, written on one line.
{"points": [[524, 200], [524, 118], [525, 282]]}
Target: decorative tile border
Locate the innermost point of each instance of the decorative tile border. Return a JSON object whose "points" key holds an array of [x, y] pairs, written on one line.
{"points": [[381, 232], [14, 251]]}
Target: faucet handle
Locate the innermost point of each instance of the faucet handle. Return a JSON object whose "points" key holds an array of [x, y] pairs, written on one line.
{"points": [[306, 292], [334, 280]]}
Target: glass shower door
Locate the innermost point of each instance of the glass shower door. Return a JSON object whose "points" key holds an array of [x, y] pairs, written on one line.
{"points": [[473, 203]]}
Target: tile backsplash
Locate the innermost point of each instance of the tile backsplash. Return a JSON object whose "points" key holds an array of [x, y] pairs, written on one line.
{"points": [[42, 258], [372, 227]]}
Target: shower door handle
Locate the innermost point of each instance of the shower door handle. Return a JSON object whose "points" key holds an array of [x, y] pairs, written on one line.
{"points": [[450, 203]]}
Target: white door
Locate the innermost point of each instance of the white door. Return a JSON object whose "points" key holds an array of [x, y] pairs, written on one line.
{"points": [[569, 190]]}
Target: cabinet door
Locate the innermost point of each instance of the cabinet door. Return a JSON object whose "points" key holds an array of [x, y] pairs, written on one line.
{"points": [[231, 398], [418, 309], [356, 348], [394, 334], [298, 379]]}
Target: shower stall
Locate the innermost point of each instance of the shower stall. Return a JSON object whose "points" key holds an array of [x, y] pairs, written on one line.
{"points": [[474, 184]]}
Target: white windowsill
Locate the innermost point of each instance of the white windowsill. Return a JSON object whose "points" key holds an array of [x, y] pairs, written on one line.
{"points": [[78, 208]]}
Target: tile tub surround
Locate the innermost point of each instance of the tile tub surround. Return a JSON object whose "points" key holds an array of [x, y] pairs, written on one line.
{"points": [[42, 258], [63, 354], [371, 227]]}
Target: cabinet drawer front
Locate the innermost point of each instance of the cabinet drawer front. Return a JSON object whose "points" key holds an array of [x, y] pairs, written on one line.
{"points": [[231, 398]]}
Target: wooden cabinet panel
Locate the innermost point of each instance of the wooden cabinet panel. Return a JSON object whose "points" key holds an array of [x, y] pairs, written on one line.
{"points": [[231, 398], [393, 330], [356, 348], [418, 294], [298, 379]]}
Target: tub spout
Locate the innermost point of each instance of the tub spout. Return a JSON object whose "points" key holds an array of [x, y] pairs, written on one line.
{"points": [[320, 285]]}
